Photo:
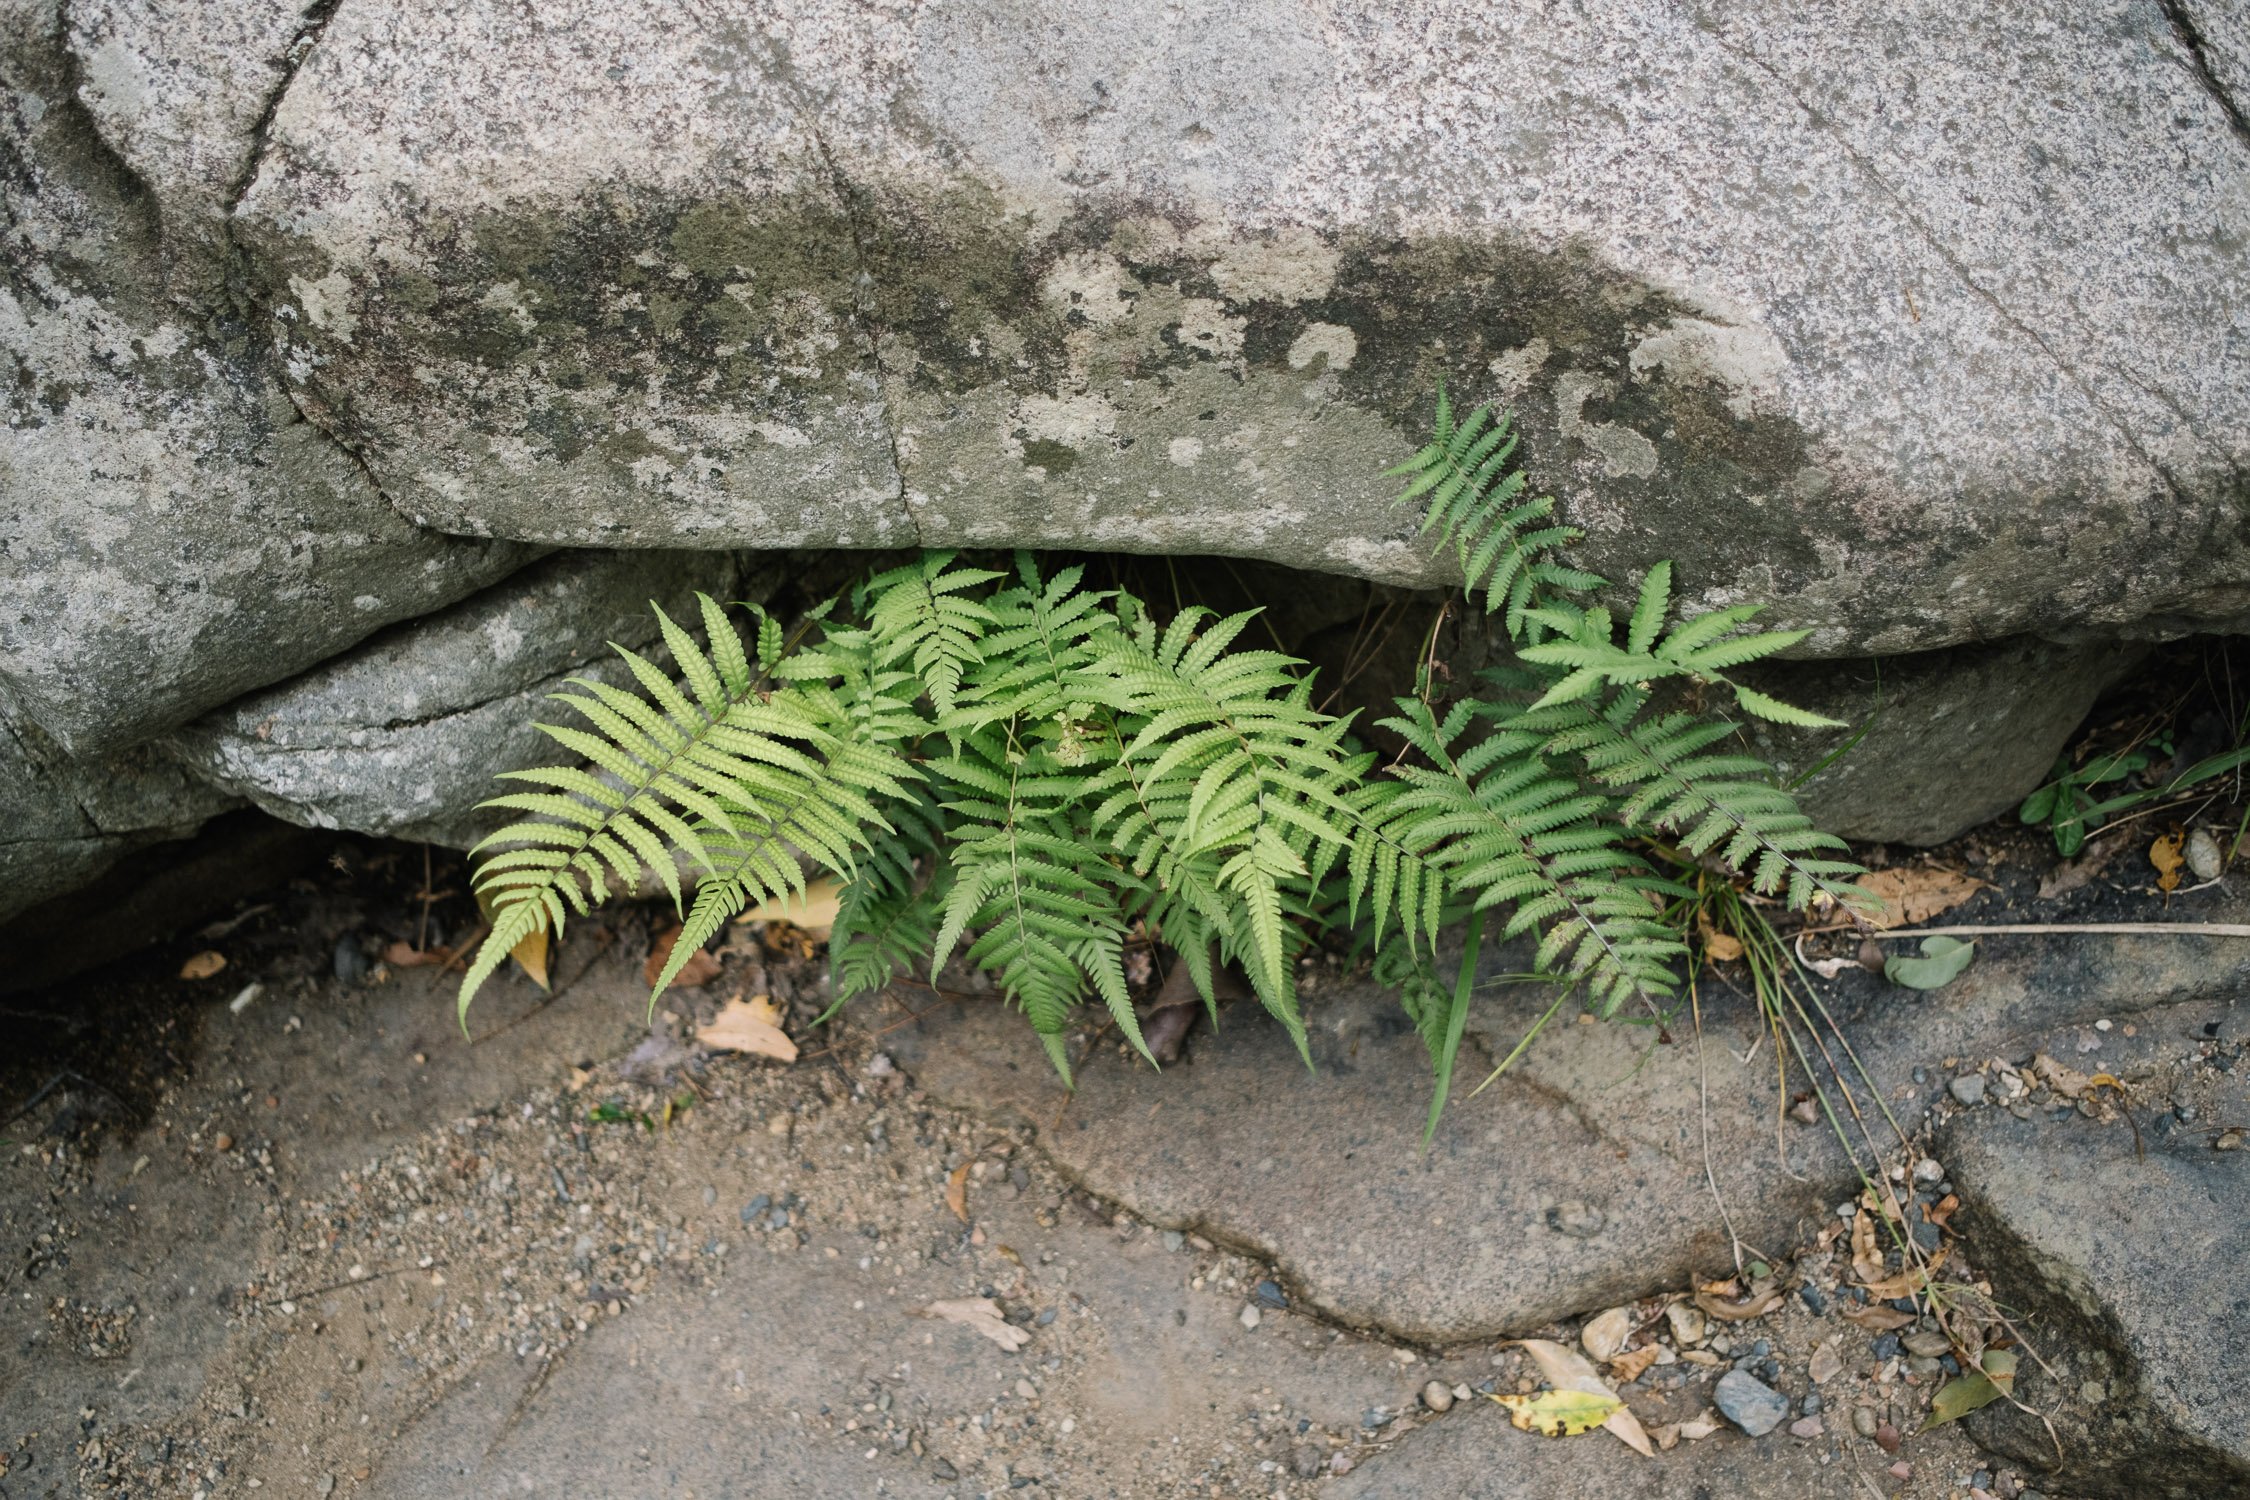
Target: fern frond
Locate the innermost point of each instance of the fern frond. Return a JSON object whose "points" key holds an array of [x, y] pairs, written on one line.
{"points": [[1473, 500], [1504, 829], [918, 613]]}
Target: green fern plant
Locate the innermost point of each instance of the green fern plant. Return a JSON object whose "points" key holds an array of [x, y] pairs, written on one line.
{"points": [[1023, 772]]}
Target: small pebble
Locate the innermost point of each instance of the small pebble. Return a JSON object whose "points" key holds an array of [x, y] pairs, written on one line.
{"points": [[1815, 1302], [1968, 1088], [1437, 1396], [1307, 1461], [351, 966], [1173, 1239], [710, 1195], [222, 1142], [1251, 1317], [1864, 1421], [1928, 1170], [1749, 1403], [1270, 1294], [1807, 1427], [2230, 1141]]}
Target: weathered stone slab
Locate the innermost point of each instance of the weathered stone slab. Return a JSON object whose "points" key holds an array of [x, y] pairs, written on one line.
{"points": [[404, 734], [1099, 276], [2127, 1253], [1576, 1182]]}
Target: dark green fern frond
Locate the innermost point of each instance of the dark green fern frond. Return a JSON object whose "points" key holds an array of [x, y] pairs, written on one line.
{"points": [[887, 917], [1031, 906], [1228, 764]]}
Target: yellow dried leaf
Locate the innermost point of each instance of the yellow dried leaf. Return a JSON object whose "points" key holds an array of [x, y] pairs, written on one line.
{"points": [[813, 908], [1915, 895], [2166, 856], [1567, 1369], [957, 1192], [1719, 947], [749, 1026], [531, 956], [1560, 1413], [203, 965]]}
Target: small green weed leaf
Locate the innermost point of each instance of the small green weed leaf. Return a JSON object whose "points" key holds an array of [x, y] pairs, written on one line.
{"points": [[1957, 1398], [1942, 961]]}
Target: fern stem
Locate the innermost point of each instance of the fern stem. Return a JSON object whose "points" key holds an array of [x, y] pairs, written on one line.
{"points": [[1456, 1021]]}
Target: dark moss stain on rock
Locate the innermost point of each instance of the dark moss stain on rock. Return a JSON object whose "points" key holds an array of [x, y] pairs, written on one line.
{"points": [[1445, 310], [735, 304], [948, 272], [1046, 453]]}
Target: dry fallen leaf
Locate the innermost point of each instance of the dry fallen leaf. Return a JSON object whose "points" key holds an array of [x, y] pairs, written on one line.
{"points": [[2080, 872], [1719, 947], [1867, 1250], [1696, 1429], [983, 1315], [813, 908], [957, 1192], [1560, 1413], [203, 965], [407, 956], [1629, 1365], [1756, 1305], [531, 956], [1568, 1370], [1915, 894], [749, 1026], [1909, 1282], [2066, 1081], [1879, 1319], [699, 970]]}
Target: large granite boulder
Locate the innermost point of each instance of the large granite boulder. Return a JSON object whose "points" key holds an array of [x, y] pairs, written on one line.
{"points": [[1923, 325]]}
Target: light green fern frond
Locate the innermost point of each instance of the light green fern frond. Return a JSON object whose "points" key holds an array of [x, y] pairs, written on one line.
{"points": [[919, 613], [1669, 779], [1474, 500], [1703, 648], [1506, 830]]}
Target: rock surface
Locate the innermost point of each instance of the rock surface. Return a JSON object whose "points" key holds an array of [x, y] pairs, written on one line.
{"points": [[172, 531], [1918, 372], [404, 734], [64, 821], [325, 318], [1604, 1197], [2130, 1266], [1937, 741]]}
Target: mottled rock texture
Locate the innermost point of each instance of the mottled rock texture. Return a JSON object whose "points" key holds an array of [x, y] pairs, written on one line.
{"points": [[1924, 323]]}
